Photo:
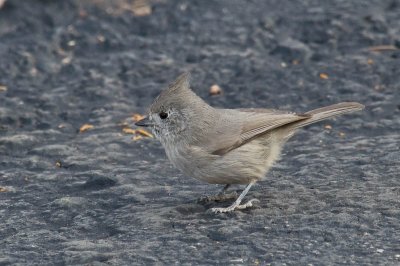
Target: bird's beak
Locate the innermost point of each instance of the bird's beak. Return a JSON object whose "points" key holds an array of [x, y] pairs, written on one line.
{"points": [[145, 122]]}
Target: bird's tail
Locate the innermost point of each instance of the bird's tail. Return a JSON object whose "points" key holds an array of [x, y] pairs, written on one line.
{"points": [[323, 113]]}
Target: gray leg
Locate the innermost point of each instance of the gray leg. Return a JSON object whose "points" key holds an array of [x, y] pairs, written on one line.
{"points": [[236, 204], [221, 196]]}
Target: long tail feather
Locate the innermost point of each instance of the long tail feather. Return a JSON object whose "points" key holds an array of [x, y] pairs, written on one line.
{"points": [[327, 112]]}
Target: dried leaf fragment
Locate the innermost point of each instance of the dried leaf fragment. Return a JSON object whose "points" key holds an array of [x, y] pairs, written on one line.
{"points": [[128, 130], [323, 76], [329, 127], [58, 164], [136, 138], [137, 117], [342, 134], [3, 189], [144, 133], [118, 7], [85, 127], [141, 8], [2, 87], [382, 48]]}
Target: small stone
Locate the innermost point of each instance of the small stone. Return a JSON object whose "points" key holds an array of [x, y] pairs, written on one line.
{"points": [[101, 38], [215, 90], [2, 2], [82, 13], [183, 6], [71, 43], [33, 71], [66, 60]]}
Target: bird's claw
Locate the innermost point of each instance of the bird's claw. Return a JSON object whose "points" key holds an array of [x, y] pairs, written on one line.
{"points": [[235, 207]]}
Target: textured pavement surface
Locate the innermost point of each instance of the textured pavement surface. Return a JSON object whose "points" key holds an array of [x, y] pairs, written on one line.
{"points": [[99, 197]]}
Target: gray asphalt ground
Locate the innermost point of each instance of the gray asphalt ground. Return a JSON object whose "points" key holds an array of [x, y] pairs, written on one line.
{"points": [[98, 197]]}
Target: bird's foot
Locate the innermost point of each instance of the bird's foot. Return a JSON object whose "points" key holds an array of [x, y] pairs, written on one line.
{"points": [[235, 206], [219, 197]]}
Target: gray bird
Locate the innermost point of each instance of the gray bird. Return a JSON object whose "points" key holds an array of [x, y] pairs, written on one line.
{"points": [[225, 146]]}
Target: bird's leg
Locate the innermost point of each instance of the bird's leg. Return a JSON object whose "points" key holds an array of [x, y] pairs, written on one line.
{"points": [[236, 204], [221, 196]]}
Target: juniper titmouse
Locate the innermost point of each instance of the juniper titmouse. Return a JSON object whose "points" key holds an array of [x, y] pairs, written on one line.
{"points": [[225, 146]]}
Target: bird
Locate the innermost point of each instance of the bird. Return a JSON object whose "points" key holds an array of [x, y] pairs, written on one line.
{"points": [[225, 146]]}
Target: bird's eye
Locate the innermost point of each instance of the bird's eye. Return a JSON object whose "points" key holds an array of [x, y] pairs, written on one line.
{"points": [[163, 115]]}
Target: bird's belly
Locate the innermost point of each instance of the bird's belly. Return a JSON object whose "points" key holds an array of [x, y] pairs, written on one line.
{"points": [[247, 163]]}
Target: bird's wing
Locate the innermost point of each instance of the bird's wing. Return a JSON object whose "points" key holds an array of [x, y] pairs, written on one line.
{"points": [[253, 123], [261, 121], [263, 111]]}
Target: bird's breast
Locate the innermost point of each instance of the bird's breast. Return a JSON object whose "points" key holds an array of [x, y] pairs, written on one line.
{"points": [[191, 160], [179, 157]]}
